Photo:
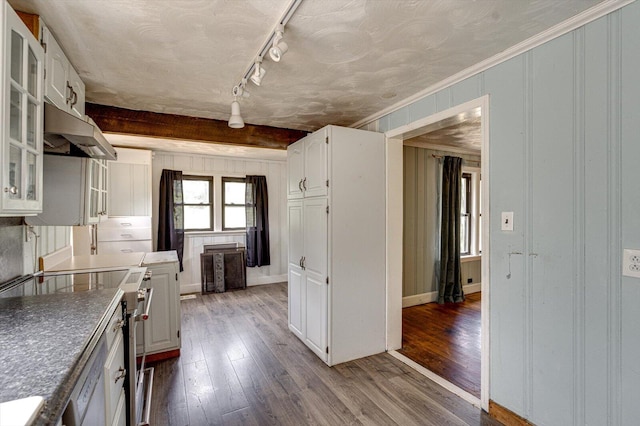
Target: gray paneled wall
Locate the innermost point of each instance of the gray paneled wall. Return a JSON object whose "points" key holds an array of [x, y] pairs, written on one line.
{"points": [[420, 240], [564, 151]]}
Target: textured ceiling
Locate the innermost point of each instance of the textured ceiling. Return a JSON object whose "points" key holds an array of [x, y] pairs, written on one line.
{"points": [[347, 59]]}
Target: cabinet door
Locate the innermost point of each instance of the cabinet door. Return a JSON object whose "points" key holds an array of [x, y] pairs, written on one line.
{"points": [[161, 330], [129, 189], [76, 98], [315, 275], [97, 196], [315, 164], [296, 290], [295, 169], [23, 116], [56, 89]]}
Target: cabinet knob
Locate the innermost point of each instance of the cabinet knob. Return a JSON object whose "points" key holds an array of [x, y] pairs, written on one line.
{"points": [[11, 190], [122, 373]]}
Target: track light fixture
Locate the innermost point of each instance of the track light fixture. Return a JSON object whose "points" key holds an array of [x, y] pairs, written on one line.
{"points": [[235, 121], [276, 48], [279, 47], [258, 72]]}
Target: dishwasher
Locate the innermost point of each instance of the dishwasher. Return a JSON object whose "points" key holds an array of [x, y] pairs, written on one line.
{"points": [[86, 405]]}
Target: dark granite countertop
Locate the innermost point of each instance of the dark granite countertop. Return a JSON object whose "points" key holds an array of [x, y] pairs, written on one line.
{"points": [[45, 342]]}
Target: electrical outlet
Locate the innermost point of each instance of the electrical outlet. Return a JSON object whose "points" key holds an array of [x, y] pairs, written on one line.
{"points": [[631, 263]]}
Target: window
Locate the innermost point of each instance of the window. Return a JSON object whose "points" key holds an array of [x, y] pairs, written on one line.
{"points": [[197, 193], [470, 219], [233, 203], [465, 214]]}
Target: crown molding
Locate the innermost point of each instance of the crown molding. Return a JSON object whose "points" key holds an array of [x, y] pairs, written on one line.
{"points": [[549, 34]]}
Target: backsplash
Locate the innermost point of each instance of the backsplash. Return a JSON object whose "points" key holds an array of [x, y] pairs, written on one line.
{"points": [[11, 246]]}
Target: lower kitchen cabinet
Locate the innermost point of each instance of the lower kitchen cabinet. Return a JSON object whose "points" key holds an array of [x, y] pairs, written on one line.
{"points": [[114, 370], [162, 330]]}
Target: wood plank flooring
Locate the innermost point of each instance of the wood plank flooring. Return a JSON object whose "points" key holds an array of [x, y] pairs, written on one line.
{"points": [[240, 365], [446, 340]]}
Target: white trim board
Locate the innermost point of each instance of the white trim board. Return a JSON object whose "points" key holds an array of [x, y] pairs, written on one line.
{"points": [[577, 21], [437, 379], [432, 296]]}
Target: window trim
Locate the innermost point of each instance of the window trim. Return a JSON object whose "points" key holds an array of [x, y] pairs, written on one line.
{"points": [[224, 204], [211, 203], [474, 209], [468, 213]]}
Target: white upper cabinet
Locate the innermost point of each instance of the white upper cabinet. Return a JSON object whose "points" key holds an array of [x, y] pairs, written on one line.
{"points": [[307, 166], [22, 109], [130, 183], [63, 86]]}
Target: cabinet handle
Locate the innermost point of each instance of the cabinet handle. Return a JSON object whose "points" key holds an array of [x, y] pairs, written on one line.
{"points": [[70, 93], [304, 260], [126, 235], [75, 97], [300, 262], [300, 185], [118, 324], [12, 190], [304, 183], [122, 374]]}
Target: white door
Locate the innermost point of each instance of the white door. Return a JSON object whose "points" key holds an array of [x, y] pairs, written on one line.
{"points": [[315, 275], [76, 98], [315, 164], [57, 71], [160, 329], [296, 290], [295, 169]]}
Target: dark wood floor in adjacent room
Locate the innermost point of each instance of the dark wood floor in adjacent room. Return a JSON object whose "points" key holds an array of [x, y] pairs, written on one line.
{"points": [[446, 340], [241, 365]]}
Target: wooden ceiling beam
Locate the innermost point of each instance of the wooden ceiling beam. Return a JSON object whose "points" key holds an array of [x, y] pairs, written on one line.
{"points": [[144, 123]]}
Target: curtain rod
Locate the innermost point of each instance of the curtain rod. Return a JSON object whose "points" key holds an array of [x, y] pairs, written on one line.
{"points": [[440, 157]]}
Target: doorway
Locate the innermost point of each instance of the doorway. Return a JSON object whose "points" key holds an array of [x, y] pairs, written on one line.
{"points": [[397, 139]]}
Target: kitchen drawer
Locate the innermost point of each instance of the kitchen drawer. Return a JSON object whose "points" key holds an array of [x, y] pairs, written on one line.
{"points": [[123, 234], [111, 247], [120, 417], [114, 377], [114, 328], [126, 222]]}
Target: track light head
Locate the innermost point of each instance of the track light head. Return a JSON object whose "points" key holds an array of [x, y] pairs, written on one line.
{"points": [[279, 47], [258, 72], [235, 121], [241, 90]]}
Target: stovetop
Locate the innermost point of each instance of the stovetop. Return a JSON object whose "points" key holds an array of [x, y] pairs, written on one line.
{"points": [[52, 283]]}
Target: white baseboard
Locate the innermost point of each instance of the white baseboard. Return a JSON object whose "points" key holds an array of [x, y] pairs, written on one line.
{"points": [[432, 296], [267, 279], [270, 279]]}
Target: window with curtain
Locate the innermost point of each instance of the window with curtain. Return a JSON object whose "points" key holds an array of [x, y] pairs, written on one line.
{"points": [[198, 202], [171, 213], [233, 203], [465, 214]]}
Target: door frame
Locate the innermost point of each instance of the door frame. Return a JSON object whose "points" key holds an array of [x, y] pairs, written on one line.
{"points": [[394, 231]]}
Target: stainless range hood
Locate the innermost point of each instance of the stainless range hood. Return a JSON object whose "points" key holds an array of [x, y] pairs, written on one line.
{"points": [[66, 134]]}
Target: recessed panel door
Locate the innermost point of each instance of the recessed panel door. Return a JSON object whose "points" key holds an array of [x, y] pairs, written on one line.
{"points": [[295, 169], [315, 165], [315, 270]]}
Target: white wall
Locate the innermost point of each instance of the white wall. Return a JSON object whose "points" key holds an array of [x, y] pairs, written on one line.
{"points": [[276, 174], [564, 328]]}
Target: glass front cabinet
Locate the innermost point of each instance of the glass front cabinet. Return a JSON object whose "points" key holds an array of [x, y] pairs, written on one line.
{"points": [[22, 112]]}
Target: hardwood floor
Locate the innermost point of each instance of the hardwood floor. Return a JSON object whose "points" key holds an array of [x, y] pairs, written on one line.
{"points": [[240, 364], [446, 340]]}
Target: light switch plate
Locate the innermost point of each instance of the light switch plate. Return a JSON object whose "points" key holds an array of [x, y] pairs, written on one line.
{"points": [[507, 221], [631, 263]]}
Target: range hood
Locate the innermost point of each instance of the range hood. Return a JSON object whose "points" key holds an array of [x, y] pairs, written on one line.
{"points": [[67, 134]]}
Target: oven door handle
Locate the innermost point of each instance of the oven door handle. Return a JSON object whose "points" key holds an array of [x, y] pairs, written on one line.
{"points": [[147, 302]]}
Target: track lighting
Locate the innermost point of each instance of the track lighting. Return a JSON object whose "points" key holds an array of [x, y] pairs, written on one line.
{"points": [[279, 47], [235, 121], [241, 89], [258, 72]]}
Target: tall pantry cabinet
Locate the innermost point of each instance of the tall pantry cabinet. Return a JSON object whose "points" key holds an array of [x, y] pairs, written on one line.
{"points": [[336, 224]]}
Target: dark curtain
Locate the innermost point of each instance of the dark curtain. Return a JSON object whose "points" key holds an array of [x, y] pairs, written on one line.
{"points": [[257, 208], [171, 213], [450, 284]]}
